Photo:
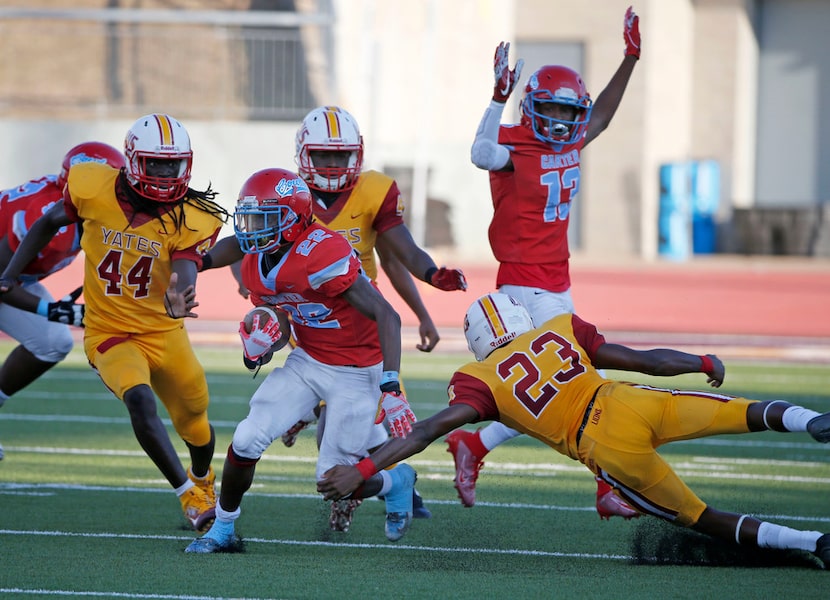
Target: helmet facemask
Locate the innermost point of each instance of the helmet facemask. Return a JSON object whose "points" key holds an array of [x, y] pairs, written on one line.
{"points": [[159, 158], [273, 209], [261, 230], [329, 129], [553, 130], [556, 85]]}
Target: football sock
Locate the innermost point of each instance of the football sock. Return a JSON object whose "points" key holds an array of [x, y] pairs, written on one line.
{"points": [[184, 487], [226, 516], [387, 482], [494, 434], [777, 536], [795, 418], [198, 477], [476, 444]]}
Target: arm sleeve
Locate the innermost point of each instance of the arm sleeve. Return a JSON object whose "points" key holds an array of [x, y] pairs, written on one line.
{"points": [[587, 335], [486, 152], [466, 389], [391, 210]]}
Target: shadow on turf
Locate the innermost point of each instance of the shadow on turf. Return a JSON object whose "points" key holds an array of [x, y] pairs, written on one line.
{"points": [[656, 542]]}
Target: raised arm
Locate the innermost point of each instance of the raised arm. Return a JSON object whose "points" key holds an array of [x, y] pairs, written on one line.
{"points": [[486, 152], [609, 99]]}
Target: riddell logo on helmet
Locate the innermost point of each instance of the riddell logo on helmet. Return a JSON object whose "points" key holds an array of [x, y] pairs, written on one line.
{"points": [[501, 341]]}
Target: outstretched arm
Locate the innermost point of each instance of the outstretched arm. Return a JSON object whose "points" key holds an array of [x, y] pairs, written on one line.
{"points": [[344, 479], [659, 361], [609, 99]]}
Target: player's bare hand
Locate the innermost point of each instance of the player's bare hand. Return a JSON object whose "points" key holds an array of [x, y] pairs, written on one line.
{"points": [[180, 304], [429, 336], [339, 481]]}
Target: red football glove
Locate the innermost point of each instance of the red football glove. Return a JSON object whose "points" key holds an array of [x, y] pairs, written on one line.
{"points": [[506, 79], [447, 279], [631, 33], [394, 408], [259, 341]]}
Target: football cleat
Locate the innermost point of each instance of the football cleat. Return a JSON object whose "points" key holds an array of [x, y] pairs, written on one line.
{"points": [[397, 524], [819, 428], [209, 545], [399, 502], [290, 436], [198, 509], [610, 505], [342, 513], [823, 550], [467, 466], [206, 483], [419, 511]]}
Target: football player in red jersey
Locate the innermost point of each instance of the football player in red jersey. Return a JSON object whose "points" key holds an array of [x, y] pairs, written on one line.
{"points": [[145, 231], [41, 344], [534, 169], [544, 382], [348, 349]]}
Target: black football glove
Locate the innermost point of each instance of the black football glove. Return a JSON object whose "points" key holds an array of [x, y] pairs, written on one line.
{"points": [[66, 311]]}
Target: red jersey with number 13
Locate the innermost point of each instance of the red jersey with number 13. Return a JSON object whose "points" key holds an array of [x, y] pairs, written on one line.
{"points": [[531, 209]]}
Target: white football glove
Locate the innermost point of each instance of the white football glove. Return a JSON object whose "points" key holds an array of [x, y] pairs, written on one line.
{"points": [[259, 340], [394, 408]]}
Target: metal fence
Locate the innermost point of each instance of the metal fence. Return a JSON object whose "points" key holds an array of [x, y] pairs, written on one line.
{"points": [[114, 63]]}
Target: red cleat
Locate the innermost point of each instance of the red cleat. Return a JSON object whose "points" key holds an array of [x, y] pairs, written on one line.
{"points": [[610, 505], [467, 466]]}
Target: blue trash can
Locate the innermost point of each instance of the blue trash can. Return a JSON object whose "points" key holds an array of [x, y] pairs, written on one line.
{"points": [[674, 227], [705, 186]]}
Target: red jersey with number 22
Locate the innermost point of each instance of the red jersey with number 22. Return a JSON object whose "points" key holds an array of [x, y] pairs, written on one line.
{"points": [[308, 283]]}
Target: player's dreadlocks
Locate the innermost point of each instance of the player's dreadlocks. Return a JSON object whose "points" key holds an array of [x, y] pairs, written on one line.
{"points": [[204, 201]]}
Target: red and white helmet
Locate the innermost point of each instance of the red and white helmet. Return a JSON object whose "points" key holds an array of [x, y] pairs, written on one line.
{"points": [[492, 321], [329, 129], [273, 209], [158, 137], [90, 152], [559, 85]]}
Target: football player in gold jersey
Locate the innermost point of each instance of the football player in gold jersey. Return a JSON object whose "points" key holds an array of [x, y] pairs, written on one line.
{"points": [[144, 234], [544, 382]]}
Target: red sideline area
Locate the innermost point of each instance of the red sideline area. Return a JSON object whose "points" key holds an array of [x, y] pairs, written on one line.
{"points": [[743, 299]]}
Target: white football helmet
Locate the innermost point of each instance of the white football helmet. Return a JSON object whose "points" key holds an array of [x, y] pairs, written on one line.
{"points": [[329, 129], [492, 321], [158, 137]]}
